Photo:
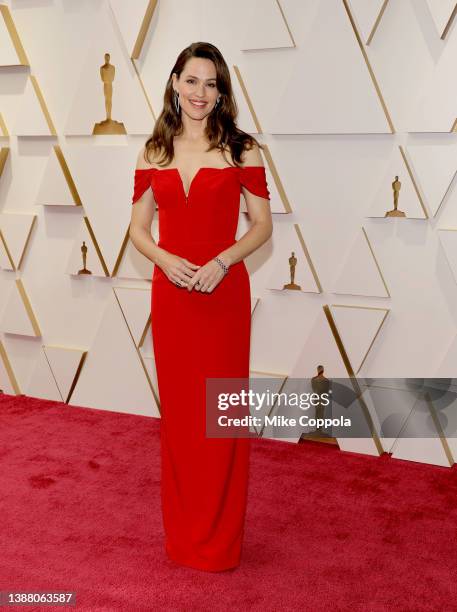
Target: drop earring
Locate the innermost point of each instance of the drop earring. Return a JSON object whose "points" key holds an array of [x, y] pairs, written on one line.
{"points": [[176, 100]]}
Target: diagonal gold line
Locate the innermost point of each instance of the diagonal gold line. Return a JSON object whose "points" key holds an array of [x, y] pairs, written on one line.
{"points": [[439, 429], [353, 379], [43, 348], [285, 22], [281, 387], [376, 23], [248, 99], [386, 312], [76, 376], [28, 307], [97, 248], [138, 352], [5, 12], [277, 179], [9, 369], [449, 23], [4, 152], [374, 338], [7, 251], [144, 89], [24, 250], [411, 175], [376, 261], [120, 256], [370, 70], [138, 46], [3, 128], [44, 108], [308, 257], [67, 175]]}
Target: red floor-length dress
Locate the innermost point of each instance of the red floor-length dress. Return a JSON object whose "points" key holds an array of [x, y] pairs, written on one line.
{"points": [[197, 335]]}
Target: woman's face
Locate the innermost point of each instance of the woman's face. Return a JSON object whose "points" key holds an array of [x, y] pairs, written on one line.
{"points": [[197, 87]]}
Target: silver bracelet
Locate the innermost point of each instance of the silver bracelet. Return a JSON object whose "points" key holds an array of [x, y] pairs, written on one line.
{"points": [[222, 264]]}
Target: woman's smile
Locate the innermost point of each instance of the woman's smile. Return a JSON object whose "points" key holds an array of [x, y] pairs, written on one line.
{"points": [[197, 104]]}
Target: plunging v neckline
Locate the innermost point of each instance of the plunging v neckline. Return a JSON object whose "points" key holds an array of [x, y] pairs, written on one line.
{"points": [[178, 172], [186, 195]]}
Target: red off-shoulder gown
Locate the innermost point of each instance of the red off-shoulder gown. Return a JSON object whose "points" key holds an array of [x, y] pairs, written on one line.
{"points": [[204, 481]]}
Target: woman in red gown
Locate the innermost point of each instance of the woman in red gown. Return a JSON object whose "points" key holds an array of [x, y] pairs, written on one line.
{"points": [[200, 300]]}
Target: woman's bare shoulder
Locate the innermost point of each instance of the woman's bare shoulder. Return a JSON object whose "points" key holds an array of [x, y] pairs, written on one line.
{"points": [[252, 156], [144, 161]]}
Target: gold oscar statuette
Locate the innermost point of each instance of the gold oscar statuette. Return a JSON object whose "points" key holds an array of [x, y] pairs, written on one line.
{"points": [[84, 253], [108, 126], [396, 186], [320, 384], [292, 264]]}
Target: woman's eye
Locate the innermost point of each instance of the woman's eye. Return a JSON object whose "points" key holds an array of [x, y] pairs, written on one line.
{"points": [[193, 81]]}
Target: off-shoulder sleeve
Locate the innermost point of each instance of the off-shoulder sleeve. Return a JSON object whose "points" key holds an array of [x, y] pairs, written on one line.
{"points": [[255, 180], [142, 181]]}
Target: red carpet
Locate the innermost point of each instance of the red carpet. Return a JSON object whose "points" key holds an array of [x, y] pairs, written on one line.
{"points": [[325, 530]]}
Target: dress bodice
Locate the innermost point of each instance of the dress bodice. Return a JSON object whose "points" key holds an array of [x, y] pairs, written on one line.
{"points": [[209, 212]]}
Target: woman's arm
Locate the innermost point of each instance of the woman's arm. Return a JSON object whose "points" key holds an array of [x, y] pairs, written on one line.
{"points": [[260, 214], [141, 220], [177, 269]]}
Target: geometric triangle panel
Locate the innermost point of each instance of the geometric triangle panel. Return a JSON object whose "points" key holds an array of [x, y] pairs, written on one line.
{"points": [[334, 91], [108, 87], [113, 376]]}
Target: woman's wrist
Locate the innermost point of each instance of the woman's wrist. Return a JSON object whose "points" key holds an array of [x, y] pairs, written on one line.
{"points": [[159, 255], [221, 261], [225, 258]]}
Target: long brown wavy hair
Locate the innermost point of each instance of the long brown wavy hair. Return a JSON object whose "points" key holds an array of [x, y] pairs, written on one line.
{"points": [[221, 130]]}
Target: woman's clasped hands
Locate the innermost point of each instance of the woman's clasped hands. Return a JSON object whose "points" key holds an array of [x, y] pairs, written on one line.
{"points": [[183, 273]]}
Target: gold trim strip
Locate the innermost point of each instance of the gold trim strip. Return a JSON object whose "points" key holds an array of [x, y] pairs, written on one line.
{"points": [[4, 10], [144, 89], [277, 179], [9, 369], [24, 250], [281, 387], [97, 248], [44, 108], [353, 378], [4, 152], [3, 128], [449, 23], [376, 23], [439, 429], [67, 175], [385, 310], [7, 251], [28, 307], [416, 188], [138, 352], [375, 261], [285, 22], [370, 70], [77, 375], [374, 338], [308, 257], [248, 99], [43, 348], [121, 253], [138, 46]]}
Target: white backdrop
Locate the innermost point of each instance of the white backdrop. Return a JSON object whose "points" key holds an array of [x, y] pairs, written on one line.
{"points": [[345, 95]]}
